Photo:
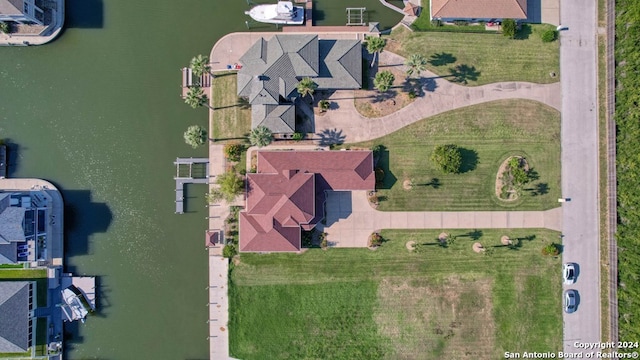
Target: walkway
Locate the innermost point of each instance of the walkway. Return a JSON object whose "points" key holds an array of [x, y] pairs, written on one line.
{"points": [[440, 96], [350, 219]]}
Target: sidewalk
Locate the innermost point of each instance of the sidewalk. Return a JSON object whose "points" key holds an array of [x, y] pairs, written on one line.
{"points": [[444, 96]]}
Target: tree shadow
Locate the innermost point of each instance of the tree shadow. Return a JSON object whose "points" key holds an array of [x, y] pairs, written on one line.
{"points": [[331, 137], [523, 32], [429, 84], [532, 174], [415, 85], [464, 73], [384, 96], [469, 160], [434, 183], [388, 179], [475, 235], [441, 59]]}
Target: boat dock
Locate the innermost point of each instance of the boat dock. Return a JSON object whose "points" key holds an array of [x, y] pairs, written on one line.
{"points": [[189, 178], [3, 161], [189, 81]]}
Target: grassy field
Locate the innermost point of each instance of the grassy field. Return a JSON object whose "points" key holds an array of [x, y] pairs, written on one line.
{"points": [[489, 133], [439, 303], [484, 58], [231, 116]]}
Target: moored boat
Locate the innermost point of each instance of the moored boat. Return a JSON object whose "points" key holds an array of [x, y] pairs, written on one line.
{"points": [[284, 12]]}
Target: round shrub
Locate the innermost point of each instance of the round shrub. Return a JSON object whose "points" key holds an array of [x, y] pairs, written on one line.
{"points": [[447, 158], [233, 151], [551, 249], [229, 251], [549, 35]]}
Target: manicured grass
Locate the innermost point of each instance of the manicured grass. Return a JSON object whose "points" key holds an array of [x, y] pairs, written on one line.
{"points": [[488, 58], [41, 336], [232, 116], [392, 303], [27, 274], [489, 133]]}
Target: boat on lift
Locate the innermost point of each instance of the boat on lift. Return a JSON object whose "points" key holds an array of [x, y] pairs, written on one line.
{"points": [[281, 13]]}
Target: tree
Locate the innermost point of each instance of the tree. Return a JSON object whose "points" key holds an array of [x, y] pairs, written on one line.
{"points": [[416, 63], [549, 35], [324, 105], [233, 151], [231, 185], [448, 158], [229, 251], [375, 45], [4, 27], [195, 97], [213, 196], [260, 136], [306, 87], [383, 81], [200, 65], [509, 28], [195, 136]]}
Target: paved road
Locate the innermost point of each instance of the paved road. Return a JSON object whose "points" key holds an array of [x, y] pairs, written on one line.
{"points": [[578, 70]]}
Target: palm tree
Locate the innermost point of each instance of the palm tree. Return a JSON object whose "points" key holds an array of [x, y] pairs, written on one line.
{"points": [[383, 81], [416, 63], [196, 97], [260, 136], [375, 45], [306, 87], [195, 136], [200, 65]]}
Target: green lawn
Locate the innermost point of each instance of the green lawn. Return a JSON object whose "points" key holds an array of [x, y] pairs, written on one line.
{"points": [[232, 116], [489, 133], [391, 303], [488, 57], [37, 275]]}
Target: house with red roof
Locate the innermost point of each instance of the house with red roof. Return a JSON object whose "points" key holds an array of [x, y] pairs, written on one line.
{"points": [[288, 192]]}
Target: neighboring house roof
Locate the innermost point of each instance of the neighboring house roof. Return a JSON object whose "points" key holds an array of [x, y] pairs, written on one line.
{"points": [[288, 191], [479, 9], [11, 7], [278, 118], [11, 229], [9, 253], [14, 322], [271, 70]]}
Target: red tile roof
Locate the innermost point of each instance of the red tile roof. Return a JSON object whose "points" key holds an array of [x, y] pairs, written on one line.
{"points": [[287, 192]]}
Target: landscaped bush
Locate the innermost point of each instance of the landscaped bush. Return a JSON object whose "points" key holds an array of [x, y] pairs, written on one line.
{"points": [[307, 238], [448, 158], [509, 28], [229, 251], [231, 185], [4, 27], [324, 105], [551, 249], [233, 151], [298, 136], [375, 240], [549, 35], [460, 22]]}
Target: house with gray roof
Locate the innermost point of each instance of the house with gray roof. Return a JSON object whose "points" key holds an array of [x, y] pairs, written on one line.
{"points": [[17, 309], [271, 70]]}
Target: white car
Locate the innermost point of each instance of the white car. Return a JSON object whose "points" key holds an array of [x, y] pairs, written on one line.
{"points": [[569, 273]]}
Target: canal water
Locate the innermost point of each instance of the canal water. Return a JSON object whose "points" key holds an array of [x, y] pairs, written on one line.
{"points": [[98, 113]]}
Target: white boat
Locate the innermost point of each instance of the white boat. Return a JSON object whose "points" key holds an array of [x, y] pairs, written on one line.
{"points": [[281, 13], [73, 309]]}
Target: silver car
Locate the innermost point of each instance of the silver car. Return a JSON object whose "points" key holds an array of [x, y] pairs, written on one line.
{"points": [[570, 301], [569, 273]]}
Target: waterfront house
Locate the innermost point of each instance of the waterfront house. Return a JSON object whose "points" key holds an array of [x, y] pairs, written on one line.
{"points": [[287, 194], [271, 70], [23, 226], [17, 310], [478, 10], [21, 12]]}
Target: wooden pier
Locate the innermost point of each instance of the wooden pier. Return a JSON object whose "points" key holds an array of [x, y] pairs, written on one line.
{"points": [[189, 81], [190, 179]]}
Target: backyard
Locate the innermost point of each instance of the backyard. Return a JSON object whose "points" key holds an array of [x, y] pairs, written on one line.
{"points": [[232, 115], [487, 134], [478, 59], [437, 303]]}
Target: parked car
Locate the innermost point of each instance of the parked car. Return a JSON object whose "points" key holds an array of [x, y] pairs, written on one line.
{"points": [[569, 273], [570, 301]]}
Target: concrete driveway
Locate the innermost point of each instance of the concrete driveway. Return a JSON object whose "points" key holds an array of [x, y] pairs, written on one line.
{"points": [[350, 219]]}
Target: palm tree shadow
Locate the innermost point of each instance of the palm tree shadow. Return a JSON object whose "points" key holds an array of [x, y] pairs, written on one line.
{"points": [[464, 73], [441, 59], [331, 137]]}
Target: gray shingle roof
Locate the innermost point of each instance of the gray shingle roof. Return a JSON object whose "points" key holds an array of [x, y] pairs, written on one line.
{"points": [[11, 7], [14, 322], [8, 253], [278, 118], [11, 224], [272, 70]]}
